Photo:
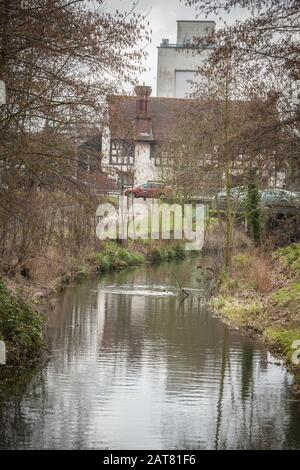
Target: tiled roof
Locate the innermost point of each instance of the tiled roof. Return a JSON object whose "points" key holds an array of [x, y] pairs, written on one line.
{"points": [[170, 116], [164, 113]]}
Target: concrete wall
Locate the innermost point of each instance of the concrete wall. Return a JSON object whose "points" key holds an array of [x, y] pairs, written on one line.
{"points": [[175, 61], [184, 83], [187, 30], [172, 60]]}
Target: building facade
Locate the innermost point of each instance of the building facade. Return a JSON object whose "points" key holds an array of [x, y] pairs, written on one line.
{"points": [[178, 63], [134, 144]]}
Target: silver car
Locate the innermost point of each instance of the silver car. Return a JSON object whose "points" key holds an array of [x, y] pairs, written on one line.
{"points": [[268, 197]]}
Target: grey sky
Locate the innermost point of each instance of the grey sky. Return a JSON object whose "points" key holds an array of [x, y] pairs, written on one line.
{"points": [[163, 15]]}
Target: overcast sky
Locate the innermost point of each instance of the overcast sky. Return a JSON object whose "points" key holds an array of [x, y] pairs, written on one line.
{"points": [[163, 15]]}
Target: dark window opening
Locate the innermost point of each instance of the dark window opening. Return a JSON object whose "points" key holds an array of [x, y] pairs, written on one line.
{"points": [[121, 152], [162, 157]]}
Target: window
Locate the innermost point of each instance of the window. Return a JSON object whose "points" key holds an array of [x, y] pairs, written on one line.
{"points": [[121, 152], [161, 156]]}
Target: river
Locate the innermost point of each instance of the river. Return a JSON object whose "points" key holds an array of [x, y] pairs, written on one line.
{"points": [[135, 365]]}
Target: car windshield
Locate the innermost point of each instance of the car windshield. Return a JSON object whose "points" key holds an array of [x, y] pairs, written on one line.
{"points": [[236, 192], [278, 194]]}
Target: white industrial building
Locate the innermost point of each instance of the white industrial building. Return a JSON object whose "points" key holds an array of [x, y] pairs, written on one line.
{"points": [[178, 63]]}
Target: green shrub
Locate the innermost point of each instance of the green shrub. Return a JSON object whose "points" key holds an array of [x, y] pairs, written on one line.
{"points": [[115, 257], [171, 253], [157, 254], [163, 253], [180, 250], [253, 211], [20, 327]]}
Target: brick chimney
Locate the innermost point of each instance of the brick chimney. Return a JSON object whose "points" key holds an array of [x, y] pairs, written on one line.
{"points": [[143, 123], [142, 93]]}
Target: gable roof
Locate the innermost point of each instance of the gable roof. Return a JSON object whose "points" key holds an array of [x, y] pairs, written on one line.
{"points": [[163, 112], [173, 118]]}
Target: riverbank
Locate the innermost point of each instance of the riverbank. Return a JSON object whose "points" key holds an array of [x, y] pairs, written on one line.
{"points": [[261, 296], [25, 299], [21, 327], [128, 342]]}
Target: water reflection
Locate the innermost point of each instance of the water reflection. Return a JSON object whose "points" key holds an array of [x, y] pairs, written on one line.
{"points": [[134, 366]]}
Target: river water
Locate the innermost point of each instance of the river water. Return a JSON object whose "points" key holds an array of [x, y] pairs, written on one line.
{"points": [[134, 365]]}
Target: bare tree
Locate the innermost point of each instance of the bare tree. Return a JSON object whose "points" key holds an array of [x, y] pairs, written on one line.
{"points": [[59, 59], [250, 76]]}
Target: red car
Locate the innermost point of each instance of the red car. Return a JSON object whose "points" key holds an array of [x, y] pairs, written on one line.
{"points": [[149, 190]]}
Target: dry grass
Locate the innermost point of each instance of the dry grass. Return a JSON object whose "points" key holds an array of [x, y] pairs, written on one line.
{"points": [[215, 239], [260, 273], [39, 269], [252, 270]]}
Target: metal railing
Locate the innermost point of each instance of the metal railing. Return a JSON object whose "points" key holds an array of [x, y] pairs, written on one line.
{"points": [[186, 45]]}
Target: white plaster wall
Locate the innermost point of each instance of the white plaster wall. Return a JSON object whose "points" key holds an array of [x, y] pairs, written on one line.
{"points": [[110, 170], [172, 59], [144, 168], [105, 148]]}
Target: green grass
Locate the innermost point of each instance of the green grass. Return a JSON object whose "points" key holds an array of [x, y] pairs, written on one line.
{"points": [[238, 311], [228, 283], [287, 297], [276, 315], [283, 340], [241, 260], [21, 327], [289, 257]]}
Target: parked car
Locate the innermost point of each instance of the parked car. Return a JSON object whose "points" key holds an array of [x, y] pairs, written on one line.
{"points": [[277, 196], [149, 190], [268, 197], [238, 197]]}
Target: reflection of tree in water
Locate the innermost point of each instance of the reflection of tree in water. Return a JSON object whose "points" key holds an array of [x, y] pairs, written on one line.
{"points": [[69, 326], [211, 388], [174, 331], [221, 390], [259, 415], [123, 328], [293, 428], [247, 371], [13, 424]]}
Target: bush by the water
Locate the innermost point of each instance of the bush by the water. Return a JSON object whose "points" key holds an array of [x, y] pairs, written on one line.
{"points": [[116, 257], [20, 327], [164, 253]]}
